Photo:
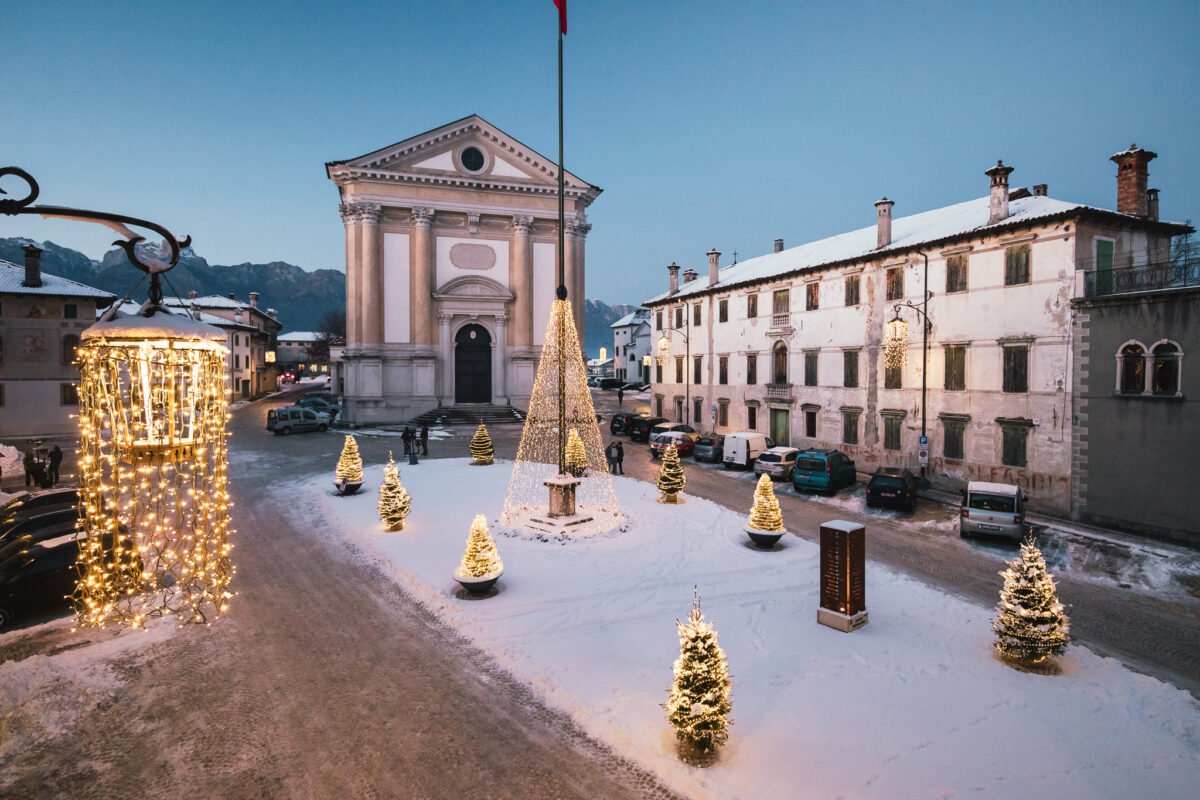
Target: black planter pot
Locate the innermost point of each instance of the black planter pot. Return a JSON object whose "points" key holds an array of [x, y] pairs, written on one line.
{"points": [[764, 540], [346, 488], [478, 585]]}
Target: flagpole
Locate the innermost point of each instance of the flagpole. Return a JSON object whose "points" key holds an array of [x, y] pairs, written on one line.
{"points": [[562, 283]]}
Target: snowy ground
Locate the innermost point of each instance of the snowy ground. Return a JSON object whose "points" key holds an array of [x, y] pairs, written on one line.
{"points": [[912, 705], [436, 432]]}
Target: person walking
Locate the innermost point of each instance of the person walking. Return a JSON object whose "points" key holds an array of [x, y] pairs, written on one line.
{"points": [[610, 454], [621, 396], [620, 458], [27, 462], [424, 440], [56, 457], [407, 438]]}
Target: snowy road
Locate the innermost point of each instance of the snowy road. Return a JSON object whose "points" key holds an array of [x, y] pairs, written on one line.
{"points": [[323, 681]]}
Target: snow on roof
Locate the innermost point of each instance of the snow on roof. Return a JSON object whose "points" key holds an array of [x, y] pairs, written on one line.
{"points": [[995, 488], [12, 276], [122, 325], [632, 318], [299, 336], [199, 316], [210, 301], [907, 232]]}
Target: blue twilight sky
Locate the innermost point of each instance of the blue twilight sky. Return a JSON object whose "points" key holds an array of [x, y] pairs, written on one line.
{"points": [[708, 124]]}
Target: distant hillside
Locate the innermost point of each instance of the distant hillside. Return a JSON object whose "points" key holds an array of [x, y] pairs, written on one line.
{"points": [[300, 297], [598, 317]]}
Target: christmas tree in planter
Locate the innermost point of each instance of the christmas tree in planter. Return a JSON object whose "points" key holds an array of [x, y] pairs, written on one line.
{"points": [[481, 446], [481, 566], [670, 476], [576, 457], [700, 700], [766, 522], [394, 501], [349, 471], [1030, 624]]}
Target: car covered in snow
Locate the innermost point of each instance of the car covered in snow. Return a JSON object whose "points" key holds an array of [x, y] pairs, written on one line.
{"points": [[684, 444], [778, 462]]}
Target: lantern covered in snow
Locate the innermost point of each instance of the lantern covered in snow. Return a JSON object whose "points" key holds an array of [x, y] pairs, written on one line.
{"points": [[154, 501]]}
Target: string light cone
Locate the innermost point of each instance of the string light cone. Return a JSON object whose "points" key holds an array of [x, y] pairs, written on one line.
{"points": [[394, 502], [154, 496], [538, 454], [576, 455], [1030, 624], [764, 514], [671, 479], [349, 471], [480, 566], [480, 446], [700, 700], [895, 351]]}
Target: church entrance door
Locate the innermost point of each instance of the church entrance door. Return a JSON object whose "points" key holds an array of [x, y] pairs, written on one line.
{"points": [[473, 365]]}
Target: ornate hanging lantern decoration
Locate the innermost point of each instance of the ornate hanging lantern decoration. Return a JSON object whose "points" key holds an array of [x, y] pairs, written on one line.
{"points": [[664, 350], [895, 352]]}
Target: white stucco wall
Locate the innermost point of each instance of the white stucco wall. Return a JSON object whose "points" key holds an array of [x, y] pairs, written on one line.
{"points": [[396, 276]]}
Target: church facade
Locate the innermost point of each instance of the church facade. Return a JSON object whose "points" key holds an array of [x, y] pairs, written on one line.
{"points": [[451, 268]]}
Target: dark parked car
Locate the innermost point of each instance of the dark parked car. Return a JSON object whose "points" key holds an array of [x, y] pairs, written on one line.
{"points": [[296, 418], [27, 503], [621, 422], [22, 525], [823, 470], [684, 444], [640, 427], [710, 448], [892, 486], [321, 406], [611, 383]]}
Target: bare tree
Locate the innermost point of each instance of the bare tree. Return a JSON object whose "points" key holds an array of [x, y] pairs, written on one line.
{"points": [[331, 330]]}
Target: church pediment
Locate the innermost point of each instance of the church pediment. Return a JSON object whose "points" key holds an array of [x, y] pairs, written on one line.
{"points": [[470, 151], [473, 287]]}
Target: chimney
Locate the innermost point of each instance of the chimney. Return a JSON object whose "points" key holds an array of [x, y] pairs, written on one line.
{"points": [[192, 294], [231, 297], [779, 245], [714, 266], [254, 299], [1152, 204], [690, 275], [33, 266], [883, 223], [1132, 177], [998, 203], [674, 270], [1040, 189]]}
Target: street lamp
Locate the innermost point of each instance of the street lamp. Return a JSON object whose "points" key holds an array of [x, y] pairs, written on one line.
{"points": [[664, 356], [896, 349], [646, 368]]}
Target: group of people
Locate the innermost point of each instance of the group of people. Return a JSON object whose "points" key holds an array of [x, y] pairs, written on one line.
{"points": [[39, 473], [615, 454], [414, 442]]}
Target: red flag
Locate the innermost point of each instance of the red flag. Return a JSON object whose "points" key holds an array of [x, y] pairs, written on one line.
{"points": [[562, 13]]}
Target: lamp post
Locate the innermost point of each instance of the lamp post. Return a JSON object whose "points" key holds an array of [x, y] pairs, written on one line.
{"points": [[896, 350], [664, 355]]}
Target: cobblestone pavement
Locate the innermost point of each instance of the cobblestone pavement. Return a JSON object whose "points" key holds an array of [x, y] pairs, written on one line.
{"points": [[323, 681]]}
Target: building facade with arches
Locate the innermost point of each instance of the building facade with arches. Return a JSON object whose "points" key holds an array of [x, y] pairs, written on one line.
{"points": [[451, 268]]}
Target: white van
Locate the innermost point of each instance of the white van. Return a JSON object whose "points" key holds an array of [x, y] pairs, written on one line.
{"points": [[992, 508], [741, 449]]}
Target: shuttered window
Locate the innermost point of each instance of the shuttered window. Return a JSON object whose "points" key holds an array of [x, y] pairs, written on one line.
{"points": [[851, 290], [752, 368], [952, 438], [891, 432], [1015, 439], [1016, 368], [812, 296], [810, 369], [849, 427], [956, 273], [895, 283], [956, 368], [850, 369], [1016, 264]]}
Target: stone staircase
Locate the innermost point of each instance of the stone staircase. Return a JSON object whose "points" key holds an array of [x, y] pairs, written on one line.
{"points": [[470, 415]]}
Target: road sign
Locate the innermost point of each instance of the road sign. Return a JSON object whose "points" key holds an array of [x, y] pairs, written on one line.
{"points": [[924, 441], [923, 457]]}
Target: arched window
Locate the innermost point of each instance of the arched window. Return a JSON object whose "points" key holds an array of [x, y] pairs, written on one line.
{"points": [[779, 361], [1164, 374], [69, 343], [1133, 369]]}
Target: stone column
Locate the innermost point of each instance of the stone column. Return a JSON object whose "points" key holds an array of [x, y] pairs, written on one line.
{"points": [[424, 275], [569, 247], [371, 284], [500, 363], [446, 357], [350, 218], [520, 281], [579, 290]]}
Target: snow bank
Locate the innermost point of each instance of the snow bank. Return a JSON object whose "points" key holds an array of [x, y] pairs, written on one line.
{"points": [[912, 705], [10, 460]]}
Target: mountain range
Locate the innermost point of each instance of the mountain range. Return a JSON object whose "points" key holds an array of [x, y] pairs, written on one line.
{"points": [[300, 296]]}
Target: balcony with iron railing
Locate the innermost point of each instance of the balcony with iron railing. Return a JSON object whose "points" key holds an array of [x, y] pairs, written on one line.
{"points": [[1174, 274]]}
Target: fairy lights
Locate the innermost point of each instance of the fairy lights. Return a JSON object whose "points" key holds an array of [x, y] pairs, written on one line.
{"points": [[154, 498], [895, 353], [537, 456]]}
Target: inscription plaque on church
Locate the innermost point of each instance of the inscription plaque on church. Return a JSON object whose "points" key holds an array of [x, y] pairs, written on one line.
{"points": [[843, 575]]}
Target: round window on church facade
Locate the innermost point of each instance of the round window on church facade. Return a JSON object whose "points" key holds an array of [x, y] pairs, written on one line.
{"points": [[472, 159]]}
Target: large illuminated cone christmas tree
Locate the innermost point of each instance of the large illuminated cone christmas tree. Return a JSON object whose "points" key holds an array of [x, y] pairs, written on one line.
{"points": [[481, 446], [560, 386], [1030, 624], [700, 701], [576, 455], [349, 466], [670, 475], [765, 514], [480, 559], [394, 501]]}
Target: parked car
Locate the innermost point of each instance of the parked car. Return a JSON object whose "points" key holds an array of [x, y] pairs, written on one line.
{"points": [[287, 377], [741, 449], [995, 508], [823, 470], [594, 383], [621, 422], [640, 427], [20, 525], [661, 441], [709, 448], [678, 427], [296, 419], [892, 486], [778, 462], [611, 383], [34, 502], [321, 406]]}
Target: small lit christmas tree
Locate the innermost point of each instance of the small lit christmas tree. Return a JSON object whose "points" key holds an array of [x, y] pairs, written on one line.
{"points": [[700, 701], [394, 501], [765, 514], [1030, 624], [670, 475], [480, 559], [481, 446], [576, 456], [349, 466]]}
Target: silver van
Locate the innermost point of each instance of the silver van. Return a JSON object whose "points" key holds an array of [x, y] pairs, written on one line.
{"points": [[296, 419], [992, 508]]}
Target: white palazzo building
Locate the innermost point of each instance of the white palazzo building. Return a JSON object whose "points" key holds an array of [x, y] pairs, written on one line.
{"points": [[451, 269]]}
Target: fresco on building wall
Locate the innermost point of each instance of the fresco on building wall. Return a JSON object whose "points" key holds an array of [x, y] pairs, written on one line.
{"points": [[38, 309], [30, 345]]}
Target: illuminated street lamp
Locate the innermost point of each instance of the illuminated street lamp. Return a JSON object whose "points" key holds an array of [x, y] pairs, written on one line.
{"points": [[895, 353]]}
